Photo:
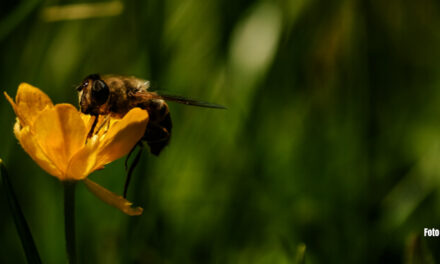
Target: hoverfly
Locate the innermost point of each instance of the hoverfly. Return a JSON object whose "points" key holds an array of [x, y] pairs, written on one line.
{"points": [[116, 95]]}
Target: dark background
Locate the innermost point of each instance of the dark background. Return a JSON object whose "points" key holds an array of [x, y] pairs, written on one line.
{"points": [[331, 139]]}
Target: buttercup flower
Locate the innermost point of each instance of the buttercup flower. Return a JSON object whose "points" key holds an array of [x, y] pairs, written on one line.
{"points": [[56, 138]]}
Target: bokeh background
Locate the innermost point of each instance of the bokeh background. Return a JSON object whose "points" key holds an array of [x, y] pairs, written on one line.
{"points": [[330, 143]]}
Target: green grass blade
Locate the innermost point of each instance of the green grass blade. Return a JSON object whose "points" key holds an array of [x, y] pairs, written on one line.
{"points": [[23, 230]]}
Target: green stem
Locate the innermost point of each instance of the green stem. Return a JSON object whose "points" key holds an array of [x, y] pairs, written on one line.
{"points": [[27, 241], [69, 220]]}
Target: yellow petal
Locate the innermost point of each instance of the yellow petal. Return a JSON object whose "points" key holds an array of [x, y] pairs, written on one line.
{"points": [[60, 131], [32, 148], [29, 102], [14, 106], [112, 199], [83, 162], [122, 136], [88, 120]]}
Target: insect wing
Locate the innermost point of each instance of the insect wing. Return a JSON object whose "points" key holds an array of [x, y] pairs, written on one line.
{"points": [[188, 101]]}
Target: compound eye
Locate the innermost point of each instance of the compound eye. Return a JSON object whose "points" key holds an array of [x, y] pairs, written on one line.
{"points": [[100, 92]]}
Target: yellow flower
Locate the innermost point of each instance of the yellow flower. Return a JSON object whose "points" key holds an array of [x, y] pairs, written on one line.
{"points": [[56, 137]]}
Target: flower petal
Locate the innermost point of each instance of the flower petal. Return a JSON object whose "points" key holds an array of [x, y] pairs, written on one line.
{"points": [[88, 120], [112, 199], [32, 148], [83, 162], [29, 102], [14, 106], [60, 131], [122, 136]]}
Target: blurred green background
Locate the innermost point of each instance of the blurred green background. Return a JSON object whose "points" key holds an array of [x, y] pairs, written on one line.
{"points": [[331, 139]]}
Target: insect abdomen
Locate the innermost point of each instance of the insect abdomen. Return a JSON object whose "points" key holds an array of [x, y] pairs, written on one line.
{"points": [[158, 132]]}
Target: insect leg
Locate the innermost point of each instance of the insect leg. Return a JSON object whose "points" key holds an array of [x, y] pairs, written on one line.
{"points": [[129, 155], [132, 166], [106, 121], [92, 129]]}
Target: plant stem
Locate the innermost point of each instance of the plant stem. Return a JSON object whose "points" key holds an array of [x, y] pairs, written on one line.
{"points": [[27, 241], [69, 220]]}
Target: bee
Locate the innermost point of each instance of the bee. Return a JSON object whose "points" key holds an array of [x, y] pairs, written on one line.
{"points": [[116, 95]]}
